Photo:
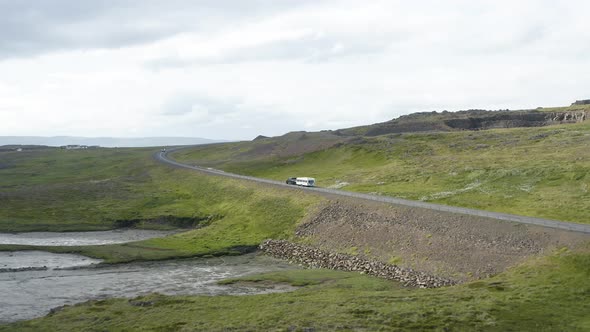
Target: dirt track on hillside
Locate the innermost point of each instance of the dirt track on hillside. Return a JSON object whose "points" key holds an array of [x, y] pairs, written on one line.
{"points": [[445, 244]]}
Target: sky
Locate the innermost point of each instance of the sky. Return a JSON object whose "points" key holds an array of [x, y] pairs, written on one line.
{"points": [[237, 69]]}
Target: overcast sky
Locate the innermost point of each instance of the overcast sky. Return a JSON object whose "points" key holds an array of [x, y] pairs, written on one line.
{"points": [[237, 69]]}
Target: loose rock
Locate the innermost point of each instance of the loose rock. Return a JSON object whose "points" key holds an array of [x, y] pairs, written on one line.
{"points": [[314, 257]]}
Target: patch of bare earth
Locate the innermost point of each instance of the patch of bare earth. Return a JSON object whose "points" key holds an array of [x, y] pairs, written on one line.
{"points": [[445, 244]]}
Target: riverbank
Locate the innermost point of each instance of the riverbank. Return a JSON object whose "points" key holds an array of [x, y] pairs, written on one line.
{"points": [[547, 293]]}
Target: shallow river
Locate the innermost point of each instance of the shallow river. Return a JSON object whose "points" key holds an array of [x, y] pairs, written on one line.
{"points": [[41, 259], [30, 294], [80, 238]]}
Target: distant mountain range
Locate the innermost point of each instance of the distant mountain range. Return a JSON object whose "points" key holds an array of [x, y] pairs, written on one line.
{"points": [[103, 141]]}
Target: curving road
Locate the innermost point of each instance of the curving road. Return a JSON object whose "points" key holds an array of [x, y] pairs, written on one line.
{"points": [[582, 228]]}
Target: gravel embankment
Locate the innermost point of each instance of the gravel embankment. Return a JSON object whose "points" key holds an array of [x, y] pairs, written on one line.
{"points": [[438, 243]]}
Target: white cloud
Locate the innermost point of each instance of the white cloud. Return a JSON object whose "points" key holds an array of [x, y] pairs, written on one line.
{"points": [[180, 69]]}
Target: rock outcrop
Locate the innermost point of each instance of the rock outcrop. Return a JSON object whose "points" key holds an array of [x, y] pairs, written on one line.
{"points": [[581, 102], [568, 117], [470, 120], [512, 119]]}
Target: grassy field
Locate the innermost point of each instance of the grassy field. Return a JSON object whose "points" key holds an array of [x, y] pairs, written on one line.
{"points": [[546, 294], [540, 172], [51, 191], [69, 190]]}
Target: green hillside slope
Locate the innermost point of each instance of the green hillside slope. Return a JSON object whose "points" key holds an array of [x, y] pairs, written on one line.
{"points": [[540, 171]]}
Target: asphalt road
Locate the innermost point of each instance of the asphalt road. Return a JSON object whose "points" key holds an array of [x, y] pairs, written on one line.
{"points": [[582, 228]]}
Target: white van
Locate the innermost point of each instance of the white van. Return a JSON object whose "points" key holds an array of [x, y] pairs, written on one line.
{"points": [[305, 182]]}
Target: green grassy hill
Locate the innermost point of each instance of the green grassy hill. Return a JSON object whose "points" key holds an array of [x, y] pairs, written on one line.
{"points": [[540, 171]]}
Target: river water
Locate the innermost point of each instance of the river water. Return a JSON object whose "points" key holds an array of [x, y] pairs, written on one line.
{"points": [[30, 294], [80, 238], [34, 282]]}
